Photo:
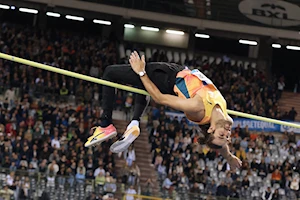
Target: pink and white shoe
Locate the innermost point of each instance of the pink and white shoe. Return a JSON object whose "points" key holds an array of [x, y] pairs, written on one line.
{"points": [[100, 135]]}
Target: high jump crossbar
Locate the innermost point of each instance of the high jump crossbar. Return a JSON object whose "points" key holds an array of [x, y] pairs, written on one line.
{"points": [[127, 88]]}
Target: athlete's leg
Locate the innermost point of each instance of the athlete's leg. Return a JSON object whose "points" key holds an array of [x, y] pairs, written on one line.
{"points": [[163, 76], [119, 74]]}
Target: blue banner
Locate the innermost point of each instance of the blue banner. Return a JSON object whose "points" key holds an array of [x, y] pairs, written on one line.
{"points": [[253, 125]]}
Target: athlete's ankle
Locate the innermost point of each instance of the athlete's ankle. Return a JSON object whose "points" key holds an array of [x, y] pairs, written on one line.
{"points": [[133, 123], [105, 123]]}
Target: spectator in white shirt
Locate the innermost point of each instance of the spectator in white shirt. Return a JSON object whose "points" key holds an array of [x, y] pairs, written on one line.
{"points": [[130, 156], [187, 140], [280, 86], [10, 179], [10, 96], [55, 143], [99, 170], [295, 184], [130, 192], [53, 168]]}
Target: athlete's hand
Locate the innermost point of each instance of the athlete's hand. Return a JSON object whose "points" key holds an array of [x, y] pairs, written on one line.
{"points": [[137, 64], [234, 162]]}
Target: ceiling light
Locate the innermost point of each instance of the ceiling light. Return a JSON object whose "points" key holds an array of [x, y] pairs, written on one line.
{"points": [[6, 7], [199, 35], [146, 28], [75, 18], [175, 32], [276, 46], [28, 10], [128, 26], [98, 21], [52, 14], [249, 42], [293, 47]]}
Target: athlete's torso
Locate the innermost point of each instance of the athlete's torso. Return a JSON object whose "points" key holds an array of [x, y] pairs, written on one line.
{"points": [[190, 83]]}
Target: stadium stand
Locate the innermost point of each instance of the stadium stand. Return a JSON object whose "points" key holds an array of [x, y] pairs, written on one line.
{"points": [[45, 119]]}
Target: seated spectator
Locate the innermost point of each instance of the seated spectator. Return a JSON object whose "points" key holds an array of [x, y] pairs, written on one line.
{"points": [[194, 191], [245, 183], [222, 190], [54, 156], [50, 180], [295, 184], [276, 177], [244, 143], [110, 184], [162, 171], [212, 187], [12, 167], [134, 174], [183, 182], [168, 184], [10, 181], [53, 168], [267, 194], [228, 180], [80, 176], [233, 192], [275, 195], [100, 179], [130, 193], [6, 193], [179, 168], [292, 137], [241, 154], [99, 170], [55, 143], [158, 160], [70, 177]]}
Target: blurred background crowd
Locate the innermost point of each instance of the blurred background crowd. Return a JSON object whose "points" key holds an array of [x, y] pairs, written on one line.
{"points": [[45, 118]]}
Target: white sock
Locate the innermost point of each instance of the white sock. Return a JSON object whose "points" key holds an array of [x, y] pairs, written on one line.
{"points": [[133, 123]]}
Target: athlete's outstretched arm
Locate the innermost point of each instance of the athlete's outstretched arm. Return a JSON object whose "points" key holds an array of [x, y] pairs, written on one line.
{"points": [[232, 160], [185, 105]]}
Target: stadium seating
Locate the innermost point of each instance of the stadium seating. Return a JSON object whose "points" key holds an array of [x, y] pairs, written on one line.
{"points": [[34, 110]]}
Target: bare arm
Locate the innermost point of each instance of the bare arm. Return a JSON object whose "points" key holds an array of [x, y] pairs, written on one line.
{"points": [[232, 160], [185, 105], [225, 152]]}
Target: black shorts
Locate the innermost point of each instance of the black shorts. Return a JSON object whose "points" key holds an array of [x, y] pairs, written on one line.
{"points": [[163, 75]]}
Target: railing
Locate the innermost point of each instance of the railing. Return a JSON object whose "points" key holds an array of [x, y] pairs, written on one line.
{"points": [[42, 185], [53, 187]]}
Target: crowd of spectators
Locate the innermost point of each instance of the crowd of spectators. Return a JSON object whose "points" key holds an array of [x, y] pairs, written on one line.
{"points": [[194, 168], [271, 163], [45, 117]]}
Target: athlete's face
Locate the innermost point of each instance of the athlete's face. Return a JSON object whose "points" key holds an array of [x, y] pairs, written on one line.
{"points": [[222, 134]]}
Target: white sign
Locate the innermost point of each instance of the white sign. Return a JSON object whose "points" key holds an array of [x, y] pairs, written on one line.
{"points": [[289, 129], [271, 12]]}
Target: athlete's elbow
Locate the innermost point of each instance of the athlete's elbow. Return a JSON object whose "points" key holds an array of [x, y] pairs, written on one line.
{"points": [[159, 99]]}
